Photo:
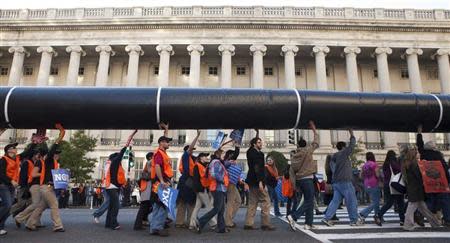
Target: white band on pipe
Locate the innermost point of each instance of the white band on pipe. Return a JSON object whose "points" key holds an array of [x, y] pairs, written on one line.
{"points": [[299, 110], [6, 106], [441, 112], [158, 97]]}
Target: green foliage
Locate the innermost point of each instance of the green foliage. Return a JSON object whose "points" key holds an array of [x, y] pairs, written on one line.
{"points": [[280, 161], [356, 163], [73, 156]]}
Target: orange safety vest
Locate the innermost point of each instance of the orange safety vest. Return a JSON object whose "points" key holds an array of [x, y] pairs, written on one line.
{"points": [[166, 170], [213, 182], [30, 170], [143, 183], [286, 188], [204, 180], [107, 175], [191, 166], [12, 168], [55, 166]]}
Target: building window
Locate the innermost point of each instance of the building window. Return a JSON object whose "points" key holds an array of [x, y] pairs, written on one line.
{"points": [[404, 73], [185, 70], [268, 71], [298, 71], [28, 71], [269, 136], [4, 71], [81, 71], [240, 71], [432, 74], [212, 71], [156, 70], [54, 71], [375, 73]]}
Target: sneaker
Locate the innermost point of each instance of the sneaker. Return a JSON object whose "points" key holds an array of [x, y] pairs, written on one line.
{"points": [[198, 230], [278, 215], [162, 233], [30, 229], [180, 226], [357, 223], [402, 223], [328, 223], [309, 227], [335, 218], [117, 227], [291, 222], [3, 232], [377, 220], [59, 230], [18, 224], [318, 212], [361, 219], [97, 220], [250, 227]]}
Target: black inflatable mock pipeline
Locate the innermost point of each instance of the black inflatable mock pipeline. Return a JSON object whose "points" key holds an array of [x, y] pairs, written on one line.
{"points": [[184, 108]]}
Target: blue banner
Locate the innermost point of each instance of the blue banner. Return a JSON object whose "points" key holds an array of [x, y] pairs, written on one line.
{"points": [[168, 197], [219, 139], [61, 178], [237, 135]]}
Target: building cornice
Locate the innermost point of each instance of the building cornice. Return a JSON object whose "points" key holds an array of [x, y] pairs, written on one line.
{"points": [[226, 17]]}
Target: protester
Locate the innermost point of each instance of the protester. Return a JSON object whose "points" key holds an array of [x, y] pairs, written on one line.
{"points": [[161, 175], [233, 197], [288, 191], [218, 183], [257, 189], [271, 181], [391, 167], [23, 195], [201, 183], [304, 167], [415, 191], [186, 195], [342, 183], [145, 188], [370, 175], [435, 201], [106, 200]]}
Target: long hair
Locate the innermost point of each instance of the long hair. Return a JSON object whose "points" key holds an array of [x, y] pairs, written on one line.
{"points": [[370, 157], [391, 157], [410, 158]]}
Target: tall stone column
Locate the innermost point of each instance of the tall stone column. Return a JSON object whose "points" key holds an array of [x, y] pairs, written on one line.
{"points": [[16, 72], [351, 68], [442, 56], [289, 52], [258, 52], [413, 69], [320, 52], [46, 61], [164, 51], [381, 54], [134, 51], [226, 51], [195, 51], [103, 65], [74, 64]]}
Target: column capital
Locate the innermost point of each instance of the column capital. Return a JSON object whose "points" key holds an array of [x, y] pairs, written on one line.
{"points": [[352, 50], [77, 49], [105, 49], [412, 51], [48, 49], [289, 48], [195, 48], [165, 48], [383, 50], [320, 49], [134, 49], [258, 48], [226, 48], [18, 49], [441, 52]]}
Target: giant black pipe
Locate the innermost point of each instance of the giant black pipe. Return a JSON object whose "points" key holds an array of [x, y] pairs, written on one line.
{"points": [[182, 108]]}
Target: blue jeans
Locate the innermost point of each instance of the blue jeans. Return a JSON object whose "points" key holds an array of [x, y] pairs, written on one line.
{"points": [[292, 203], [306, 186], [374, 194], [113, 209], [159, 216], [105, 205], [218, 209], [347, 191], [273, 196], [436, 201], [5, 204]]}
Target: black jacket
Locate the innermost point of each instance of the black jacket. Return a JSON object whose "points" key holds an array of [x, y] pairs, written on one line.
{"points": [[114, 167], [255, 161], [431, 155], [26, 154]]}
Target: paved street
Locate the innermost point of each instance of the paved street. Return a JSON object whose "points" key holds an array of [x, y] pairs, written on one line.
{"points": [[80, 228]]}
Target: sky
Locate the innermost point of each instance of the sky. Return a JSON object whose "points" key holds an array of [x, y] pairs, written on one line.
{"points": [[417, 4]]}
